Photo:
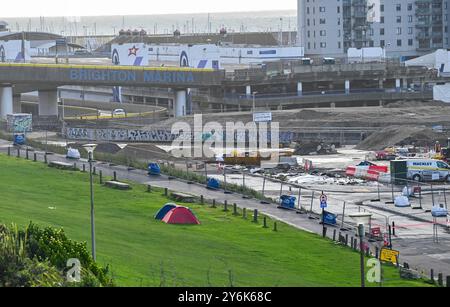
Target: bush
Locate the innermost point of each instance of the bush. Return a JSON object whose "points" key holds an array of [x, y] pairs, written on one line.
{"points": [[37, 258]]}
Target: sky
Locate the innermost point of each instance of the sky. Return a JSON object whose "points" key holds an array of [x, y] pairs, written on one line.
{"points": [[47, 8]]}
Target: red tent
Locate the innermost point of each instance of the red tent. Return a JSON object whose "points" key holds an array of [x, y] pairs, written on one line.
{"points": [[181, 215]]}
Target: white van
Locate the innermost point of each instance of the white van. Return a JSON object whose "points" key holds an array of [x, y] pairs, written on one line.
{"points": [[428, 170]]}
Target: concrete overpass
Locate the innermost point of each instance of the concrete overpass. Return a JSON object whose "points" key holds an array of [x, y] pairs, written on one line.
{"points": [[16, 79]]}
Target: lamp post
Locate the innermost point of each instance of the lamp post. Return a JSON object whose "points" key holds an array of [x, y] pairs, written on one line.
{"points": [[90, 150], [361, 219], [254, 102]]}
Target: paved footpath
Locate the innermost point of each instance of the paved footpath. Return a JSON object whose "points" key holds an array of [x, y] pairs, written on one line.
{"points": [[421, 253]]}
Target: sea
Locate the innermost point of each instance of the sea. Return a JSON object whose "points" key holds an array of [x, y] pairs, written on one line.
{"points": [[263, 21]]}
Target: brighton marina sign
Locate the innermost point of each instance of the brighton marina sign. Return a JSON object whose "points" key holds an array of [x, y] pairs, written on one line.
{"points": [[148, 76]]}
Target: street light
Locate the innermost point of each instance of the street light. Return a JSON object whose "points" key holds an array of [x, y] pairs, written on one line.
{"points": [[90, 150], [254, 96], [361, 219]]}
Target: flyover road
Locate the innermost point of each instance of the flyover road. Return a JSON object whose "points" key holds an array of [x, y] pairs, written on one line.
{"points": [[420, 253]]}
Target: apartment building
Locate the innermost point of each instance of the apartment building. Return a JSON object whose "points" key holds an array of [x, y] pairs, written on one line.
{"points": [[402, 27]]}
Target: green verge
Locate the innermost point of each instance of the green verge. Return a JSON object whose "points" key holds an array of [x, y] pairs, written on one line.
{"points": [[225, 250]]}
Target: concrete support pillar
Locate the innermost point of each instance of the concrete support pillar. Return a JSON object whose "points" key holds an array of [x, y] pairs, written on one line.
{"points": [[347, 86], [248, 91], [6, 101], [48, 103], [17, 104], [405, 83], [180, 103], [300, 88], [381, 84], [397, 85]]}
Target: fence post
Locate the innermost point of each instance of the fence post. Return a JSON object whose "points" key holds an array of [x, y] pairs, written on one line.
{"points": [[94, 170], [34, 157], [225, 206], [265, 223], [377, 251], [166, 192], [346, 240], [149, 188], [343, 217], [440, 279], [312, 201], [26, 153], [18, 152], [74, 166], [9, 150], [45, 158], [84, 168], [115, 176], [255, 216], [202, 200], [447, 284], [235, 209], [244, 213], [101, 176], [275, 226], [432, 276], [214, 203], [393, 229], [334, 235], [352, 243]]}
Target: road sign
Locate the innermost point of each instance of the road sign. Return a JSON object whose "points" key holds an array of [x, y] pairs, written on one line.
{"points": [[323, 201], [389, 255], [61, 42], [264, 117]]}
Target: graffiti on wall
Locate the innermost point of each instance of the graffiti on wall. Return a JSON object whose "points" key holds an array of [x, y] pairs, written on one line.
{"points": [[157, 135], [19, 123]]}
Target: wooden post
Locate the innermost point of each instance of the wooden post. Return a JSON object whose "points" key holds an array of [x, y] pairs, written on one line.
{"points": [[202, 200], [275, 226], [84, 168], [34, 157], [214, 203], [74, 166], [265, 222], [149, 188], [235, 209], [166, 192], [447, 284], [94, 170], [352, 243], [101, 176], [432, 276], [45, 158], [26, 153], [346, 240], [255, 216], [440, 279], [115, 176], [334, 235], [244, 213], [18, 152], [9, 151], [225, 206]]}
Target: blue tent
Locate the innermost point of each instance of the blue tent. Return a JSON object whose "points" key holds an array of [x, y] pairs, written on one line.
{"points": [[154, 169], [213, 184], [164, 210], [288, 202]]}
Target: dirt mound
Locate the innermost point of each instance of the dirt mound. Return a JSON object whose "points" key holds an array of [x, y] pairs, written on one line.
{"points": [[415, 104], [402, 135], [111, 148], [147, 152]]}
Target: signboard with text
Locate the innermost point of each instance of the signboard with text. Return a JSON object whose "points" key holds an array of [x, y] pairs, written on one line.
{"points": [[389, 255], [262, 117]]}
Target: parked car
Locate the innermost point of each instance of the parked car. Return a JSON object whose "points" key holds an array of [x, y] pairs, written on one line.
{"points": [[119, 112]]}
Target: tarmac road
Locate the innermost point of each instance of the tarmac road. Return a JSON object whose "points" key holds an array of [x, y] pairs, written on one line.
{"points": [[416, 248]]}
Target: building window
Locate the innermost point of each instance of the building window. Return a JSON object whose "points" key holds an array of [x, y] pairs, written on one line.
{"points": [[399, 43]]}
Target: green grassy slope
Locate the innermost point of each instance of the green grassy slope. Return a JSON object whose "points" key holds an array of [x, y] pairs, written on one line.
{"points": [[224, 250]]}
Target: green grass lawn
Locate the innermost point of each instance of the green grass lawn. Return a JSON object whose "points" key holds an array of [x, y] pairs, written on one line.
{"points": [[224, 250]]}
